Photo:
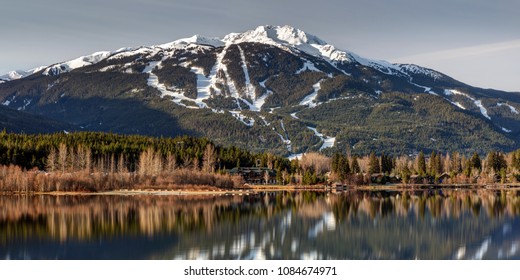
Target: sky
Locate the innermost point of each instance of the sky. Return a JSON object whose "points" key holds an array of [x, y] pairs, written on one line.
{"points": [[474, 41]]}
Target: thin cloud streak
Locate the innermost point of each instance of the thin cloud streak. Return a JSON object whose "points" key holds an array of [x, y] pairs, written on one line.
{"points": [[459, 52]]}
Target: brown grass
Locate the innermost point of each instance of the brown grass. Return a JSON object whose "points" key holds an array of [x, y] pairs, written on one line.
{"points": [[14, 179]]}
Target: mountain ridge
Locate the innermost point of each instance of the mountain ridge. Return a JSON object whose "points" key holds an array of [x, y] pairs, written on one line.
{"points": [[267, 89]]}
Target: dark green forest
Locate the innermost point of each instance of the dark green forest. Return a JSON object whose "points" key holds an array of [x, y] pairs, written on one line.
{"points": [[32, 150], [108, 152]]}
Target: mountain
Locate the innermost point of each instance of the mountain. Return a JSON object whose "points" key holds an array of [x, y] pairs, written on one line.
{"points": [[18, 74], [22, 122], [272, 88]]}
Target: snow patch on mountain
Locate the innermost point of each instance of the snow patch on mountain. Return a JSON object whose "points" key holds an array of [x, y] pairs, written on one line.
{"points": [[328, 142], [456, 104], [26, 102], [334, 54], [505, 130], [107, 68], [380, 65], [477, 103], [285, 139], [193, 44], [70, 65], [310, 100], [250, 89], [426, 89], [415, 69], [151, 66], [207, 84], [226, 80], [513, 109], [266, 123], [196, 39], [153, 81], [203, 87], [259, 102], [307, 66], [286, 142], [243, 119], [126, 52], [295, 156], [483, 109]]}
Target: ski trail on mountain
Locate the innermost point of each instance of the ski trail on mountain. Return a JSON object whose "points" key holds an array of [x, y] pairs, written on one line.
{"points": [[153, 81], [249, 89], [310, 100]]}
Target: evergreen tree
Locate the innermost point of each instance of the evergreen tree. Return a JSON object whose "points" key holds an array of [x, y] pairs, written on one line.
{"points": [[496, 161], [355, 165], [515, 160], [405, 174], [279, 177], [456, 164], [438, 164], [336, 158], [373, 164], [421, 164], [387, 164], [344, 168], [431, 167], [475, 162]]}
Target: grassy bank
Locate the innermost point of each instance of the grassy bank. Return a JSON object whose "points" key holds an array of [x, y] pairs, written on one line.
{"points": [[15, 179]]}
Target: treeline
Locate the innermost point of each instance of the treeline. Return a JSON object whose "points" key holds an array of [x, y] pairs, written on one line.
{"points": [[92, 161], [101, 161], [451, 168], [108, 151]]}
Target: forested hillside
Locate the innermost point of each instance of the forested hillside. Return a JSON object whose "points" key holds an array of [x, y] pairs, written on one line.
{"points": [[274, 89]]}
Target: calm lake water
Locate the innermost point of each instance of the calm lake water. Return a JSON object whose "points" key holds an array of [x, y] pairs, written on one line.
{"points": [[276, 225]]}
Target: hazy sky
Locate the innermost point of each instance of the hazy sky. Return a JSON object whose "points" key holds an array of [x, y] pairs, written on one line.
{"points": [[475, 41]]}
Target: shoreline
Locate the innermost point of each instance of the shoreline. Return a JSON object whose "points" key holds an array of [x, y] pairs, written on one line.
{"points": [[275, 188]]}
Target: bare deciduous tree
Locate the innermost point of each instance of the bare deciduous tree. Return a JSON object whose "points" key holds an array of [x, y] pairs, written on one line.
{"points": [[62, 157], [209, 159], [150, 163], [171, 163], [317, 162], [52, 160]]}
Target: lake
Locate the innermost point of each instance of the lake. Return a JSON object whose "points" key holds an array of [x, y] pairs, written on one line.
{"points": [[426, 224]]}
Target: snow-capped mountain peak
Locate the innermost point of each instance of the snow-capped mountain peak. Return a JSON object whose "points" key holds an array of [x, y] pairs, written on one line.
{"points": [[285, 37], [82, 61], [195, 39], [286, 86], [269, 34], [13, 75], [280, 34], [293, 38], [18, 74], [289, 37]]}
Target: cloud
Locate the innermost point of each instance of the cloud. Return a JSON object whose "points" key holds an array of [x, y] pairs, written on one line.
{"points": [[478, 50]]}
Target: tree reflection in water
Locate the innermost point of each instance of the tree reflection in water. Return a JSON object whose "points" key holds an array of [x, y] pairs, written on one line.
{"points": [[276, 225]]}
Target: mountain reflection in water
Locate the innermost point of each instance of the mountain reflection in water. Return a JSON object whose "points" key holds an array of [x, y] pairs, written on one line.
{"points": [[276, 225]]}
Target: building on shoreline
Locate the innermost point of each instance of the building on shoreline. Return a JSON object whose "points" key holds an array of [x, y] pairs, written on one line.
{"points": [[255, 175]]}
